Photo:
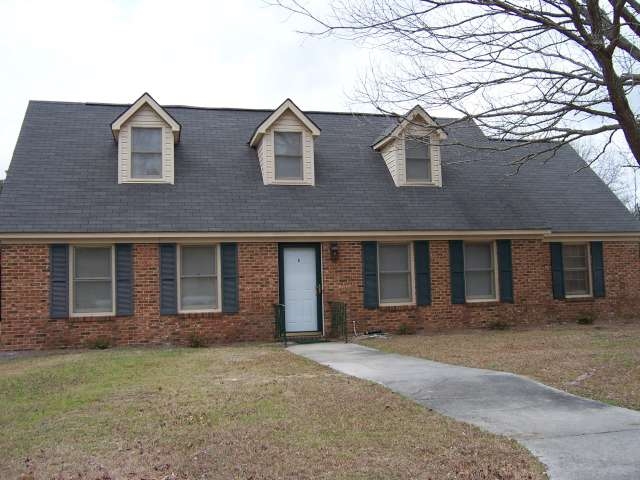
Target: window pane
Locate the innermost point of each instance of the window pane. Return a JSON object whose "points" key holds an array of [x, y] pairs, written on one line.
{"points": [[289, 167], [393, 258], [576, 282], [92, 297], [146, 165], [198, 260], [198, 293], [479, 284], [92, 262], [574, 256], [418, 169], [147, 140], [417, 148], [478, 256], [395, 287], [288, 143]]}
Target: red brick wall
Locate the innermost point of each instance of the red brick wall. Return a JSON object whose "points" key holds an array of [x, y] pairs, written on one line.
{"points": [[533, 302], [25, 304], [25, 320]]}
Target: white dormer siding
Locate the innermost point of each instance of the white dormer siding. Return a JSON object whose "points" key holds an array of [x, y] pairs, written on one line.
{"points": [[145, 113], [145, 118], [286, 118], [417, 124], [266, 151]]}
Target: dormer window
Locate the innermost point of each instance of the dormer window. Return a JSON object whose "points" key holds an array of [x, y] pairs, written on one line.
{"points": [[146, 153], [146, 134], [284, 142], [288, 155], [411, 150], [418, 160]]}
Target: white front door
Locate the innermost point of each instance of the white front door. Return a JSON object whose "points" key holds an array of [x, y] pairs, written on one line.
{"points": [[300, 294]]}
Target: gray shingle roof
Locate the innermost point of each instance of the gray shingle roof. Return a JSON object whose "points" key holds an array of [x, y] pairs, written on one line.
{"points": [[63, 178]]}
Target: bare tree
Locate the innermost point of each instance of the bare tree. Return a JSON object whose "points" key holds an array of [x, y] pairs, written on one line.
{"points": [[545, 72], [614, 168]]}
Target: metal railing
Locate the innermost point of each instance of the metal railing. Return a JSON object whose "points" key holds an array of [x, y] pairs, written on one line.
{"points": [[281, 327], [339, 326]]}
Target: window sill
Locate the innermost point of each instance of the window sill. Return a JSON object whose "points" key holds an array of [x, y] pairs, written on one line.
{"points": [[398, 306], [492, 302], [292, 182], [103, 317], [92, 315], [202, 315], [198, 312], [579, 298], [419, 184], [149, 180], [482, 300]]}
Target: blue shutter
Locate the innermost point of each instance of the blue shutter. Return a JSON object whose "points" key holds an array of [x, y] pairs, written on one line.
{"points": [[557, 270], [456, 267], [124, 279], [597, 269], [505, 274], [168, 291], [370, 274], [59, 281], [229, 254], [423, 272]]}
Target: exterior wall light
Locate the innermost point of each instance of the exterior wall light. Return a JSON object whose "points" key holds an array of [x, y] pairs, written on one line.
{"points": [[333, 249]]}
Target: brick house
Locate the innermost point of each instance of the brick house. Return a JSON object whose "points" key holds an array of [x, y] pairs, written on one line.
{"points": [[148, 224]]}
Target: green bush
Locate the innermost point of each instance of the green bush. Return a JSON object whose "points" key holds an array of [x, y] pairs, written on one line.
{"points": [[586, 319], [197, 341], [498, 325], [404, 329], [99, 343]]}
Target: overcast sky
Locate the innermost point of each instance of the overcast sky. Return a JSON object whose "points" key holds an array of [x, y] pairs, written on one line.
{"points": [[239, 53]]}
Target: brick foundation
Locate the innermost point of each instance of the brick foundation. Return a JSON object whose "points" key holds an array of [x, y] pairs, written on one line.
{"points": [[26, 324]]}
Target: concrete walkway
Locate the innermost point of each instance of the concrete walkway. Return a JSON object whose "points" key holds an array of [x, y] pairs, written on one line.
{"points": [[574, 437]]}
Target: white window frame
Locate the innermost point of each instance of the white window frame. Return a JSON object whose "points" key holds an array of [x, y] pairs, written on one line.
{"points": [[496, 280], [72, 286], [417, 182], [289, 181], [589, 273], [218, 307], [412, 283], [161, 178]]}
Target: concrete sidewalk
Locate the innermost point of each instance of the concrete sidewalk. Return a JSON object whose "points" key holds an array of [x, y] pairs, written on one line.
{"points": [[574, 437]]}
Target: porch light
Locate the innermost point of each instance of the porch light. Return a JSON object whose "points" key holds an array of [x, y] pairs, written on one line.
{"points": [[333, 249]]}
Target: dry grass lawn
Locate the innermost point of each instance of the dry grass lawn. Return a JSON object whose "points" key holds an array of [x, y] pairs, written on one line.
{"points": [[600, 362], [232, 412]]}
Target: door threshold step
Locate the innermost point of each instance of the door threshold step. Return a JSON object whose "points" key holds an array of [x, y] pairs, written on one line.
{"points": [[305, 340], [304, 334], [306, 337]]}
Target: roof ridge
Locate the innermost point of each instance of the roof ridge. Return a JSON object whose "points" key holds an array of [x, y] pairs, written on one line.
{"points": [[235, 109]]}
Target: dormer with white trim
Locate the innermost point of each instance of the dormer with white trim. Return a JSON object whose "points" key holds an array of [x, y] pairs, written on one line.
{"points": [[411, 150], [284, 142], [146, 134]]}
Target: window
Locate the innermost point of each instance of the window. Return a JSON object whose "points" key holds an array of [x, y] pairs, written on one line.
{"points": [[92, 280], [575, 261], [394, 273], [198, 278], [417, 160], [146, 153], [288, 155], [479, 271]]}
